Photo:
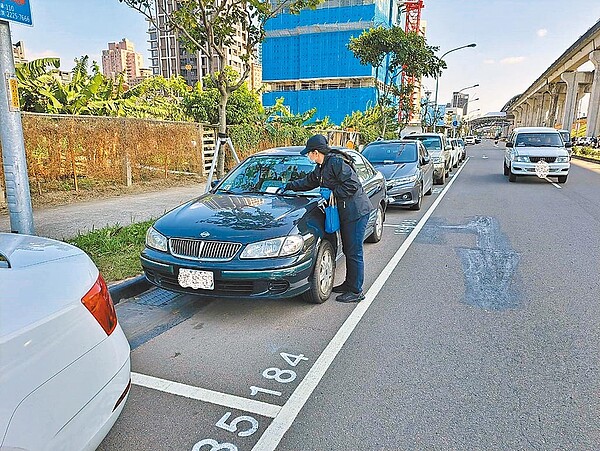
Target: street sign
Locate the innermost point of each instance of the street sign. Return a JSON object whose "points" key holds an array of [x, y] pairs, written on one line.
{"points": [[455, 123], [17, 11], [12, 92]]}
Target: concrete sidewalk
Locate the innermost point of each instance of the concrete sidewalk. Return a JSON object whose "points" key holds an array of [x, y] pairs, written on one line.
{"points": [[67, 221]]}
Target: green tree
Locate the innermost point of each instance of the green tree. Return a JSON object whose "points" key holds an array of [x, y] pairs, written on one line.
{"points": [[159, 98], [210, 28], [42, 90], [402, 52], [243, 107]]}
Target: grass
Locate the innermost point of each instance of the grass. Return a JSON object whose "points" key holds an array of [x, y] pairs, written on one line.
{"points": [[115, 250]]}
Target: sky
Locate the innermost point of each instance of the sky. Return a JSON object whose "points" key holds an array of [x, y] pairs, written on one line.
{"points": [[517, 40]]}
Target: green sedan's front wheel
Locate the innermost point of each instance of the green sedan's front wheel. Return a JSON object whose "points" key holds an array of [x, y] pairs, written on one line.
{"points": [[321, 280]]}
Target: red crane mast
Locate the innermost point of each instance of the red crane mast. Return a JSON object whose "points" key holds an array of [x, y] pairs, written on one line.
{"points": [[413, 24]]}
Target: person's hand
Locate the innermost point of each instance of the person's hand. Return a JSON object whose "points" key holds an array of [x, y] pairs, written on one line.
{"points": [[325, 192]]}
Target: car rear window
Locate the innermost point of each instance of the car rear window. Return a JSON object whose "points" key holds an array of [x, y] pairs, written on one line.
{"points": [[430, 142], [391, 152]]}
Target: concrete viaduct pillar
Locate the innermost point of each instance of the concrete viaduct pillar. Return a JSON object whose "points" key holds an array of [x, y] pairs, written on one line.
{"points": [[593, 117], [553, 90], [574, 91], [570, 101]]}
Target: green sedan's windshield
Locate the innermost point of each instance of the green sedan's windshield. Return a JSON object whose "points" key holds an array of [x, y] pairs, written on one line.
{"points": [[264, 174], [391, 153]]}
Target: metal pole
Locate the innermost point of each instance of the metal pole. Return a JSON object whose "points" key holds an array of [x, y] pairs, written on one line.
{"points": [[14, 161], [437, 78]]}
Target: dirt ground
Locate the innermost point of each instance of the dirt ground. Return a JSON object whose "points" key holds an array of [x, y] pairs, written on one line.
{"points": [[51, 198]]}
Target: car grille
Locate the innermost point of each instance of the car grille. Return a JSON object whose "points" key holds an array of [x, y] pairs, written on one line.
{"points": [[546, 159], [203, 250]]}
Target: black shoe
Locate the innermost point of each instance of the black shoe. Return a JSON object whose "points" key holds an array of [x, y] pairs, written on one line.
{"points": [[350, 297], [341, 288]]}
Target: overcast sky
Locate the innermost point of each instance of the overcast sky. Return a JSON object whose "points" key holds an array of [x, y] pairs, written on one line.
{"points": [[516, 39]]}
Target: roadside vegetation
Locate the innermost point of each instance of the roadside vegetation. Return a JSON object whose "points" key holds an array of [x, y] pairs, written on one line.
{"points": [[587, 152], [115, 250]]}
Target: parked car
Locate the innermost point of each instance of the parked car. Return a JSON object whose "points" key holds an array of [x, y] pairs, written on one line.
{"points": [[439, 149], [528, 146], [407, 168], [65, 368], [243, 239], [461, 152]]}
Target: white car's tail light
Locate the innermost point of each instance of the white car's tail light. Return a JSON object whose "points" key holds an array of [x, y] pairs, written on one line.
{"points": [[100, 305]]}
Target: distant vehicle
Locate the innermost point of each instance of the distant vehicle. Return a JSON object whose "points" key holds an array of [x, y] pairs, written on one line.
{"points": [[477, 139], [469, 139], [407, 168], [527, 147], [439, 149], [566, 136], [245, 240], [64, 366]]}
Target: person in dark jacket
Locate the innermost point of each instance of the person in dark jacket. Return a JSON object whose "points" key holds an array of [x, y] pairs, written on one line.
{"points": [[335, 173]]}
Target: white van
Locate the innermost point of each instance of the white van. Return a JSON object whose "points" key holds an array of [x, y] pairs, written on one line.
{"points": [[537, 151]]}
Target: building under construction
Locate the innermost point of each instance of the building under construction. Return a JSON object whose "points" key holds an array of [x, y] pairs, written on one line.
{"points": [[306, 59]]}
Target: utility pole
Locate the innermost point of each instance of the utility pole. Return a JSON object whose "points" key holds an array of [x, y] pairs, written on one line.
{"points": [[14, 161]]}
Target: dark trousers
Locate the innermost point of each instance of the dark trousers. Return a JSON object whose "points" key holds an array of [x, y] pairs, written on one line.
{"points": [[353, 235]]}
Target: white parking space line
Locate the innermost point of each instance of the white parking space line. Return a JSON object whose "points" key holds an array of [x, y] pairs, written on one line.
{"points": [[203, 394], [282, 422]]}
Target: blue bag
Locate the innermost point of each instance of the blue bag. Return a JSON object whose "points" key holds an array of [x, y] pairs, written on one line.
{"points": [[332, 216]]}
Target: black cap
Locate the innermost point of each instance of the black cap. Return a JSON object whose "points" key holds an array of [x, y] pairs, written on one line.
{"points": [[316, 142]]}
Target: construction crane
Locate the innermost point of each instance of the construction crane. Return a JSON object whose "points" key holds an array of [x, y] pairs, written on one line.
{"points": [[412, 25]]}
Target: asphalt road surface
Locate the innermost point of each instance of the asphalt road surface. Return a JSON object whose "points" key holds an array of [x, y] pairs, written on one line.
{"points": [[479, 331]]}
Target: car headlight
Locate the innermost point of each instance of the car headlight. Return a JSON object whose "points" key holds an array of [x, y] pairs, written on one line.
{"points": [[522, 159], [156, 240], [276, 247], [402, 180], [562, 159]]}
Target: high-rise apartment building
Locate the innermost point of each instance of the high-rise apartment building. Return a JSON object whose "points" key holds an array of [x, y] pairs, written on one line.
{"points": [[121, 57], [170, 58], [306, 59], [19, 52]]}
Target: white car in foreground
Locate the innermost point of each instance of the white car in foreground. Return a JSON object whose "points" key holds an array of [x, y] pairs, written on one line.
{"points": [[536, 151], [64, 360]]}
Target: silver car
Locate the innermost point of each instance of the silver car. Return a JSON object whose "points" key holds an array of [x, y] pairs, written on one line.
{"points": [[440, 151], [407, 167]]}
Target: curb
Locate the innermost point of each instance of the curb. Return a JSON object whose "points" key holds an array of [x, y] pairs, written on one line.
{"points": [[129, 288], [591, 160]]}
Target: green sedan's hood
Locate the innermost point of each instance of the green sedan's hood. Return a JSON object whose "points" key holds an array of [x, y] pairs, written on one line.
{"points": [[236, 217]]}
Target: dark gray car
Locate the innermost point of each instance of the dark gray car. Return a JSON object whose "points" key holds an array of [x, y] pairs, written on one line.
{"points": [[407, 168]]}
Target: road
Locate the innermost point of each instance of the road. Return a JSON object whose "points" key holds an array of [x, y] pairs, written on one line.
{"points": [[480, 330]]}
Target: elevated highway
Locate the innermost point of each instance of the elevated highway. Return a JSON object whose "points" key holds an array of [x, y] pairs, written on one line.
{"points": [[553, 98]]}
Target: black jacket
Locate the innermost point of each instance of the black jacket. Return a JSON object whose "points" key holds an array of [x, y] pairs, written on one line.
{"points": [[341, 178]]}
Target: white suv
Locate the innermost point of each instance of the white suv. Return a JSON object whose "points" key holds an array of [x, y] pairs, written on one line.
{"points": [[536, 151]]}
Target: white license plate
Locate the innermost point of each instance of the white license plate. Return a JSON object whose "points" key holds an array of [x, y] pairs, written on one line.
{"points": [[198, 280]]}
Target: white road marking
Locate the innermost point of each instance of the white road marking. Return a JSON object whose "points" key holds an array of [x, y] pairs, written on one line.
{"points": [[288, 413], [203, 394], [551, 182]]}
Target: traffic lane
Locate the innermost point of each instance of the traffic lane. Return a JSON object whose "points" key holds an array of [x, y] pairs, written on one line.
{"points": [[430, 368], [235, 347], [165, 421]]}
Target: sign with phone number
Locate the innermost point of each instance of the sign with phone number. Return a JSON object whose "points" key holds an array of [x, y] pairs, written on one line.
{"points": [[17, 11]]}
